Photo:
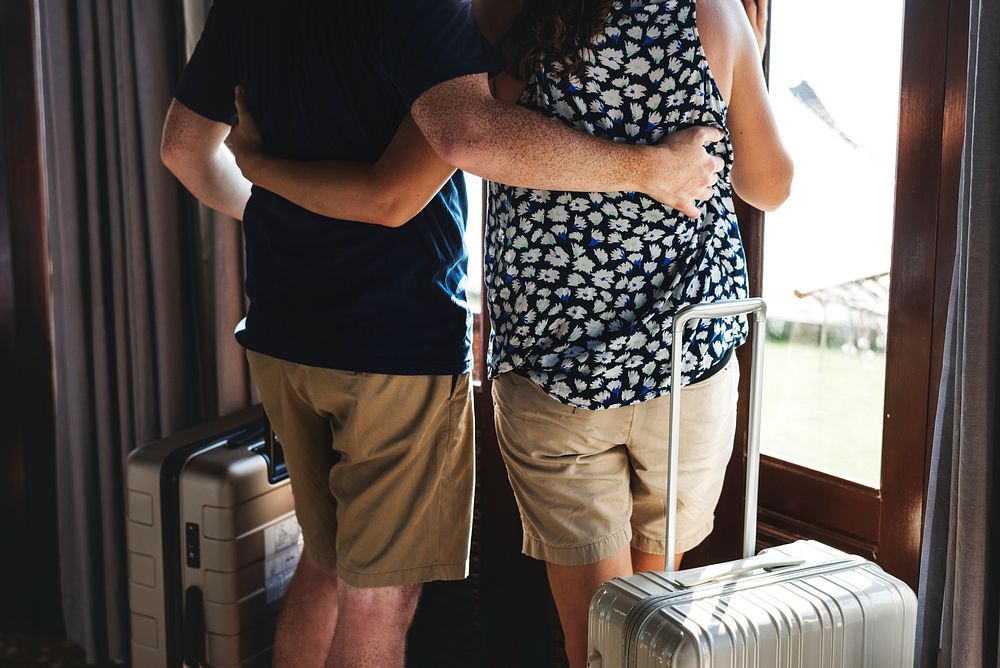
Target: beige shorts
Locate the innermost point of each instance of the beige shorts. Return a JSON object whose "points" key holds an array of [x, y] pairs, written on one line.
{"points": [[590, 483], [382, 468]]}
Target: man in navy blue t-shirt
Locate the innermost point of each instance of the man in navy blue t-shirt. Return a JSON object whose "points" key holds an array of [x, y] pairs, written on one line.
{"points": [[358, 335]]}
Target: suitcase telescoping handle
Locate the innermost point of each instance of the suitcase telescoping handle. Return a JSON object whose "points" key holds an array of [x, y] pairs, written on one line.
{"points": [[710, 311], [276, 469], [261, 439]]}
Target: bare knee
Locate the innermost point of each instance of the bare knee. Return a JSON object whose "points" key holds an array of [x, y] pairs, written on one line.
{"points": [[309, 569], [380, 606]]}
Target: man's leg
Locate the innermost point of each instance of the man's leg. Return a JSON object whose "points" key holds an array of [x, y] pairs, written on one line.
{"points": [[572, 589], [308, 617], [404, 491], [305, 627], [371, 629]]}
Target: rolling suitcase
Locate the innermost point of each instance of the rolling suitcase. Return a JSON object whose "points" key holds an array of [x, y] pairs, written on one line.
{"points": [[212, 543], [802, 604]]}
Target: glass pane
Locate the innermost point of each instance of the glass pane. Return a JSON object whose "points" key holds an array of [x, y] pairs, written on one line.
{"points": [[474, 241], [474, 288], [827, 250]]}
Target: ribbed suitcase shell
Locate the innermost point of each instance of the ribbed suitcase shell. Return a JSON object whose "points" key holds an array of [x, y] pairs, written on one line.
{"points": [[820, 608], [835, 610], [222, 494]]}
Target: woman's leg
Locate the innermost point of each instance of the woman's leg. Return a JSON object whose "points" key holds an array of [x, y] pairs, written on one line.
{"points": [[708, 424], [572, 589], [643, 562], [569, 472]]}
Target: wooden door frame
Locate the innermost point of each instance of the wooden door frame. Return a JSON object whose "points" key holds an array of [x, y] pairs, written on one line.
{"points": [[795, 502], [932, 131]]}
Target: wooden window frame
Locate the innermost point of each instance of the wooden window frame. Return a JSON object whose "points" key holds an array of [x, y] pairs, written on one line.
{"points": [[883, 524]]}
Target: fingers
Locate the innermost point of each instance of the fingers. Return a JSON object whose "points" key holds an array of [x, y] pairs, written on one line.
{"points": [[757, 13], [241, 102], [690, 210], [707, 191], [707, 134], [696, 171], [241, 105], [752, 8]]}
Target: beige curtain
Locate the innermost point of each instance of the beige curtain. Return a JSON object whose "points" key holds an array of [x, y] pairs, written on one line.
{"points": [[145, 290], [219, 275]]}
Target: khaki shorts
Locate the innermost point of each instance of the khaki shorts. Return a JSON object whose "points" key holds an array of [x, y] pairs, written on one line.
{"points": [[590, 483], [382, 468]]}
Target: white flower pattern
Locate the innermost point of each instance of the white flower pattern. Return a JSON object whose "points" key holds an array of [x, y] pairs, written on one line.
{"points": [[582, 287]]}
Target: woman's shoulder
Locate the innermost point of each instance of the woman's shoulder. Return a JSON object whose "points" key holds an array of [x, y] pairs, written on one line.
{"points": [[724, 32]]}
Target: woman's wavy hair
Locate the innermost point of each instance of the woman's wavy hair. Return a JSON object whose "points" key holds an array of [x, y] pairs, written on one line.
{"points": [[557, 28]]}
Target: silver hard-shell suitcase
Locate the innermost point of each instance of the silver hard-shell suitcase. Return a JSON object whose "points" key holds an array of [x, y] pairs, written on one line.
{"points": [[802, 604]]}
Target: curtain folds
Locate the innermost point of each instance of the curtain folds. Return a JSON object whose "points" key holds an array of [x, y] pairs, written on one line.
{"points": [[145, 290], [959, 616]]}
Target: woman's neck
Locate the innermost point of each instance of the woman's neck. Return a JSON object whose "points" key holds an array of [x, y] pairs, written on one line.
{"points": [[496, 18]]}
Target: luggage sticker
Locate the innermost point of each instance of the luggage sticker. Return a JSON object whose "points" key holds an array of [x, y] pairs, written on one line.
{"points": [[282, 548]]}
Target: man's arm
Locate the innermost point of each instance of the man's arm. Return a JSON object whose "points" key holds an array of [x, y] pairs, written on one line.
{"points": [[510, 144], [389, 193], [192, 148]]}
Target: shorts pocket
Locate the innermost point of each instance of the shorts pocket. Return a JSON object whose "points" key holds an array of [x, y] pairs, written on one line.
{"points": [[521, 394], [723, 376]]}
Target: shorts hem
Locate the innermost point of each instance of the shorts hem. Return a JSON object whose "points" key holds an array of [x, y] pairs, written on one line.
{"points": [[323, 560], [577, 555], [404, 576], [684, 543]]}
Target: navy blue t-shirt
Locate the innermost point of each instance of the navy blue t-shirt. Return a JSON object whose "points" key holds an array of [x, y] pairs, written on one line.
{"points": [[332, 80]]}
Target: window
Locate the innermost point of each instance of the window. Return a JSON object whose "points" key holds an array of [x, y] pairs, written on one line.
{"points": [[871, 504], [828, 250], [474, 241]]}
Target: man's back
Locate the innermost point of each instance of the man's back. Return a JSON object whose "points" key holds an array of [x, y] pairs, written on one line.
{"points": [[332, 81]]}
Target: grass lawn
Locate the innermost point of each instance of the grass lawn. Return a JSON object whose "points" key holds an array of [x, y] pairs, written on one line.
{"points": [[823, 409]]}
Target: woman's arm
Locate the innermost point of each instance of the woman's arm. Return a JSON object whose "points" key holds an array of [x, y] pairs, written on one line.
{"points": [[763, 169], [389, 193]]}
